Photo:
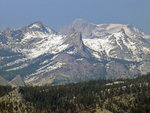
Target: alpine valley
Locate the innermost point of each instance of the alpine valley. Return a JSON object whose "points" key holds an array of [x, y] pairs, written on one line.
{"points": [[38, 55]]}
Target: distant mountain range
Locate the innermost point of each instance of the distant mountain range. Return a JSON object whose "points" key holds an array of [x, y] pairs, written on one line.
{"points": [[78, 52]]}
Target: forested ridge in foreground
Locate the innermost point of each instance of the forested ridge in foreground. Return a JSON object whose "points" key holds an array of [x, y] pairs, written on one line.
{"points": [[116, 96]]}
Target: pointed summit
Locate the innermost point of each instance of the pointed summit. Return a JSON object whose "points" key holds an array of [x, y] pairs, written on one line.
{"points": [[74, 39], [3, 82], [17, 81], [37, 24], [37, 27]]}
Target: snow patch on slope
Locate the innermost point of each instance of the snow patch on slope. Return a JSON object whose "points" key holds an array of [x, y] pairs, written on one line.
{"points": [[99, 45], [96, 55], [46, 61], [47, 68], [106, 29], [110, 44], [34, 34], [73, 51], [49, 44], [16, 62], [80, 59], [34, 26], [17, 68]]}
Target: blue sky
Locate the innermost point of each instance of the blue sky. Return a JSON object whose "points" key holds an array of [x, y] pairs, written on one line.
{"points": [[57, 13]]}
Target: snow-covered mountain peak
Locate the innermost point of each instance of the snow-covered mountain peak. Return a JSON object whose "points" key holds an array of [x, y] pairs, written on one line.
{"points": [[37, 25], [36, 30], [119, 34], [106, 29], [48, 43], [111, 26], [90, 30], [41, 55]]}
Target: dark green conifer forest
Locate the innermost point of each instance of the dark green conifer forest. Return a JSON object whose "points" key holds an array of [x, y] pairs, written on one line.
{"points": [[116, 96]]}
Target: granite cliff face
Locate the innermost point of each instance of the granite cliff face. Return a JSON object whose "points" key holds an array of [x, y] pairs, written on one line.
{"points": [[78, 52]]}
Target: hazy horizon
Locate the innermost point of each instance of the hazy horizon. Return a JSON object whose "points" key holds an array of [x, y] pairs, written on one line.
{"points": [[56, 14]]}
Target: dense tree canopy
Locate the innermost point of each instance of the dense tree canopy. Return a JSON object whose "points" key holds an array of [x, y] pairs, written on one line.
{"points": [[118, 96]]}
